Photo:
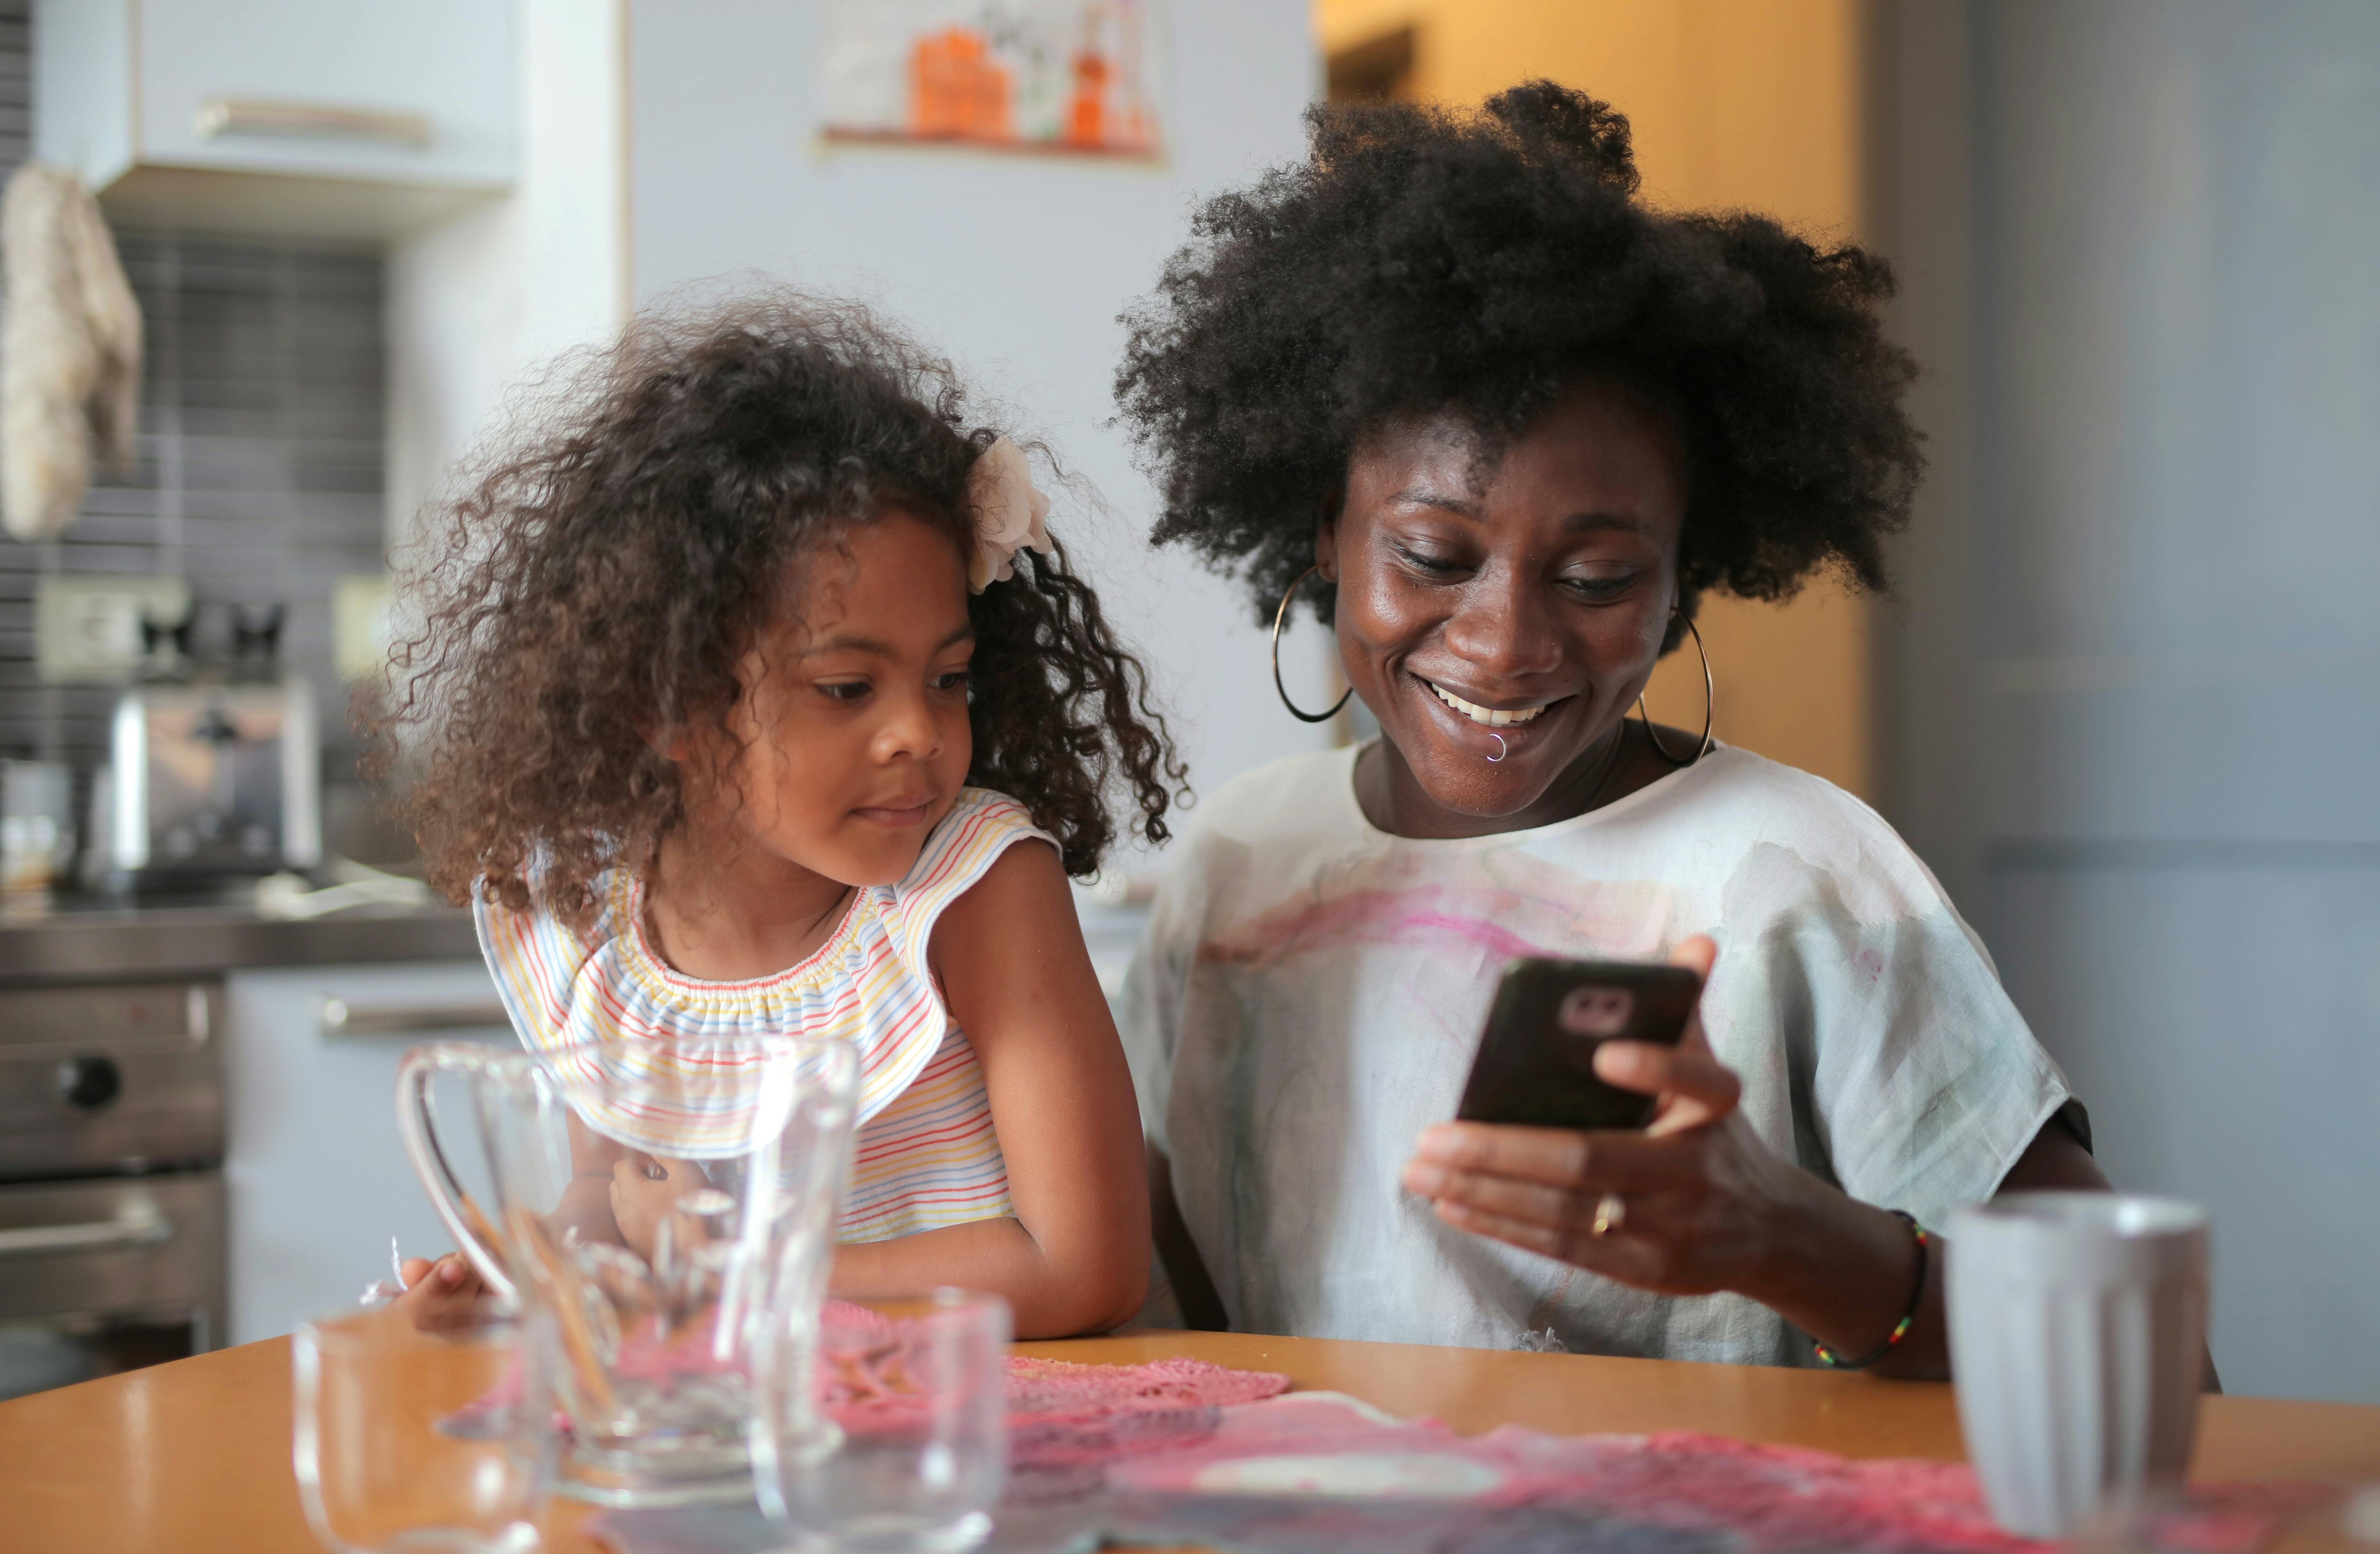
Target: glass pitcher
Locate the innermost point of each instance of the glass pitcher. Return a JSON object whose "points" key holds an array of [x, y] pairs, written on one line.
{"points": [[665, 1205]]}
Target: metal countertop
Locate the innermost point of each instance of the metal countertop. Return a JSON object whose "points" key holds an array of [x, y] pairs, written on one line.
{"points": [[89, 938]]}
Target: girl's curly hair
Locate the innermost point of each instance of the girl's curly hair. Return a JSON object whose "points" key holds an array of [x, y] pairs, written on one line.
{"points": [[605, 572], [1423, 259]]}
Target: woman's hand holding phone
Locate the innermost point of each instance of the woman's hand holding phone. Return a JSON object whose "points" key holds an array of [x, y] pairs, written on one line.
{"points": [[1701, 1198]]}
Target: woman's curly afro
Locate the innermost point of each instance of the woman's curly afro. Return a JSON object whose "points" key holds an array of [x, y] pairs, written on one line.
{"points": [[1423, 260]]}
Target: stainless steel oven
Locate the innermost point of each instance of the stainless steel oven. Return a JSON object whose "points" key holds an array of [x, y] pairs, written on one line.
{"points": [[112, 1230]]}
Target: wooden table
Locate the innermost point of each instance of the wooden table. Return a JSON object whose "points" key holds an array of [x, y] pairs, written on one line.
{"points": [[193, 1456]]}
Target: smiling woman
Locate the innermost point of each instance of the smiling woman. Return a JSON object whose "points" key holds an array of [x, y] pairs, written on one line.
{"points": [[1502, 424], [1498, 622]]}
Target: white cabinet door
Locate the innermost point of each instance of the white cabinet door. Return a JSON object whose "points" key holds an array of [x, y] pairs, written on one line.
{"points": [[227, 83], [317, 1176], [417, 93]]}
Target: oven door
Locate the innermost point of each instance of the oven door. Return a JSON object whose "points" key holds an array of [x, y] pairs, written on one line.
{"points": [[102, 1276], [98, 1080]]}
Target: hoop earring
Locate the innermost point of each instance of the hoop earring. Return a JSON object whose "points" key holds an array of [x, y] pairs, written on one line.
{"points": [[1655, 739], [1278, 616]]}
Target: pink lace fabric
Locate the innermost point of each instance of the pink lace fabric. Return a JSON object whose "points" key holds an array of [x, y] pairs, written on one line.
{"points": [[1321, 1475], [1066, 1421], [1062, 1415], [1060, 1387]]}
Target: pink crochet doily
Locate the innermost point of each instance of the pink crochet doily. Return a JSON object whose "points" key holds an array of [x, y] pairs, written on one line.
{"points": [[1319, 1474], [1063, 1387], [1315, 1472], [1061, 1415]]}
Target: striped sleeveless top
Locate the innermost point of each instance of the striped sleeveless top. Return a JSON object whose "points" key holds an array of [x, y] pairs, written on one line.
{"points": [[925, 1153]]}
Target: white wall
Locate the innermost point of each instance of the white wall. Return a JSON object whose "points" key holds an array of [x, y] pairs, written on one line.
{"points": [[1015, 265], [476, 305]]}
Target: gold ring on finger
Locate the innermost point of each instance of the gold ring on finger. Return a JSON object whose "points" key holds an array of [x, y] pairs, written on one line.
{"points": [[1610, 1213]]}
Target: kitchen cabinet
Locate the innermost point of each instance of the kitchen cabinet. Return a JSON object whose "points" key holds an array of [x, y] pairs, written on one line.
{"points": [[309, 118], [317, 1177]]}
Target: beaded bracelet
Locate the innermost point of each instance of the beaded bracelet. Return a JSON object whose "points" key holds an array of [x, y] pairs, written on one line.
{"points": [[1833, 1361]]}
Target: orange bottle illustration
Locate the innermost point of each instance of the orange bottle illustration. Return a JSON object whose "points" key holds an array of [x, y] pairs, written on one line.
{"points": [[956, 89], [1086, 110]]}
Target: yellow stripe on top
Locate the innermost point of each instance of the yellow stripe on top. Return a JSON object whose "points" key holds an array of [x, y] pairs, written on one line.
{"points": [[925, 1153]]}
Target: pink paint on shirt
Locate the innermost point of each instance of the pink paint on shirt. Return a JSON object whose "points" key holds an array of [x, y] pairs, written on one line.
{"points": [[1429, 918]]}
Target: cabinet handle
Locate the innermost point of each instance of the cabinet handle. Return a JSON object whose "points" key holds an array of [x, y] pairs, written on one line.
{"points": [[340, 1018], [264, 115], [137, 1224]]}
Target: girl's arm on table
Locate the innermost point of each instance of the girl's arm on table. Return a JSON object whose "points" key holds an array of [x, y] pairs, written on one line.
{"points": [[1074, 1258]]}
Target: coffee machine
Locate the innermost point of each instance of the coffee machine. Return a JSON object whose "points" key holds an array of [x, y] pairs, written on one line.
{"points": [[208, 780]]}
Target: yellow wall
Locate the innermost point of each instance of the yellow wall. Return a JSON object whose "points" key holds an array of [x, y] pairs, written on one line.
{"points": [[1734, 102]]}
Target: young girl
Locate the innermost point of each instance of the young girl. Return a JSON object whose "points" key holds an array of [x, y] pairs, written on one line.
{"points": [[756, 684]]}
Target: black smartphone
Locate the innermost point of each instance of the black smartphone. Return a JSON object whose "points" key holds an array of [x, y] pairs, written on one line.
{"points": [[1536, 1063]]}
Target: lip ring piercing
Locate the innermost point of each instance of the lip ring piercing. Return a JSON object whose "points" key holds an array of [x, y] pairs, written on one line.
{"points": [[1502, 750]]}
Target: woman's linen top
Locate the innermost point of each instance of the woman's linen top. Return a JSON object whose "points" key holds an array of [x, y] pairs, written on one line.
{"points": [[1311, 991], [925, 1153]]}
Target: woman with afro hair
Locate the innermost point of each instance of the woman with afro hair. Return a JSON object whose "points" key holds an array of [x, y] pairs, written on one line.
{"points": [[1453, 386]]}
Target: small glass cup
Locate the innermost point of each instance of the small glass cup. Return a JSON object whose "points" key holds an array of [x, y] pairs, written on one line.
{"points": [[889, 1431], [409, 1442]]}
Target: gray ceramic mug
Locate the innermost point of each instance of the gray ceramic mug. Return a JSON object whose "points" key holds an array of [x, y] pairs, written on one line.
{"points": [[2078, 1332]]}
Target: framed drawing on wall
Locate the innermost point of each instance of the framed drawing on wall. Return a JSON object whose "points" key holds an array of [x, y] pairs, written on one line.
{"points": [[1065, 76]]}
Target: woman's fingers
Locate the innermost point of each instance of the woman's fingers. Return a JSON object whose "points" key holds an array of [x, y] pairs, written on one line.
{"points": [[1540, 1188], [1530, 1235], [1553, 1156], [1569, 1210], [1615, 1255], [1694, 1087]]}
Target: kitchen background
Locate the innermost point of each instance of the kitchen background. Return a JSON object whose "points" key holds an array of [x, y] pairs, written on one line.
{"points": [[2120, 700], [261, 467]]}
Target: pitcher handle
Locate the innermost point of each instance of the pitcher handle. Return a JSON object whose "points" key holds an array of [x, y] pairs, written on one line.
{"points": [[473, 1232]]}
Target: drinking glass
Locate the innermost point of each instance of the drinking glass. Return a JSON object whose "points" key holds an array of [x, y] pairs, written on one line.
{"points": [[883, 1429], [662, 1204], [409, 1442], [2078, 1343]]}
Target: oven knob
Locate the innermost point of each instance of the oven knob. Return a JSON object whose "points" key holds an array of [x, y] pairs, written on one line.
{"points": [[90, 1083]]}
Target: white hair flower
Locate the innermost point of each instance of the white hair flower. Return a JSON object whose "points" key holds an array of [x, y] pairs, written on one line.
{"points": [[1011, 513]]}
